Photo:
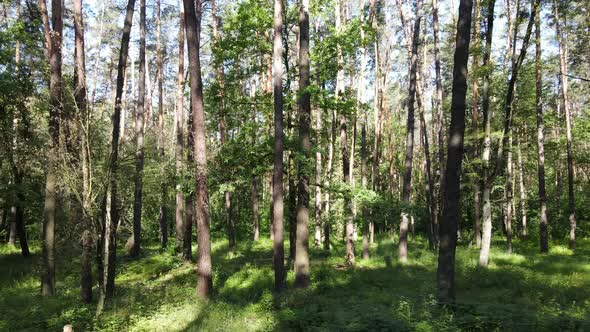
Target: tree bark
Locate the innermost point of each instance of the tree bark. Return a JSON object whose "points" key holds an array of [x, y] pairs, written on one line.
{"points": [[439, 107], [277, 180], [81, 102], [179, 146], [522, 191], [544, 220], [53, 37], [161, 136], [448, 226], [193, 14], [255, 223], [302, 231], [509, 195], [409, 155], [139, 131], [568, 127], [475, 128], [190, 199]]}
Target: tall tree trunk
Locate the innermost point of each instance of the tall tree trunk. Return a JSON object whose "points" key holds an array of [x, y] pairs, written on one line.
{"points": [[161, 136], [139, 131], [544, 220], [451, 207], [220, 77], [349, 228], [179, 146], [475, 128], [302, 245], [568, 127], [277, 182], [53, 38], [193, 28], [318, 179], [488, 174], [81, 102], [111, 210], [439, 106], [409, 156]]}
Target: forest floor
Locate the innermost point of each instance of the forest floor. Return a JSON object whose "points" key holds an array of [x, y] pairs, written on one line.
{"points": [[523, 291]]}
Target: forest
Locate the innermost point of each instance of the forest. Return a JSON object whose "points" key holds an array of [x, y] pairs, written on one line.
{"points": [[294, 165]]}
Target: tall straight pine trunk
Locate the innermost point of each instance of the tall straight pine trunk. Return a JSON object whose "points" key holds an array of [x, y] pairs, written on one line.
{"points": [[53, 39], [193, 13], [277, 178], [448, 227]]}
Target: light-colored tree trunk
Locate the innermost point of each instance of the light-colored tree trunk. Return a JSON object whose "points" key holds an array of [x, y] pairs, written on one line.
{"points": [[277, 182]]}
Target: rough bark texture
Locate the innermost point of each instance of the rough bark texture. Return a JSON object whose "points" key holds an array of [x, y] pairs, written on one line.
{"points": [[475, 127], [192, 18], [277, 182], [139, 131], [409, 155], [544, 220], [179, 146], [53, 37], [438, 105], [448, 226], [304, 165], [161, 135]]}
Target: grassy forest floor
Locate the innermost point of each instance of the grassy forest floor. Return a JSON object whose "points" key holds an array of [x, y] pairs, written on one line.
{"points": [[522, 291]]}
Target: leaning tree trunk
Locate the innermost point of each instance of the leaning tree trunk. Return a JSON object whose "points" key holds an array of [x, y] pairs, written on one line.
{"points": [[111, 210], [193, 14], [409, 156], [451, 209], [53, 38], [139, 131], [568, 125], [543, 233], [302, 232], [277, 179]]}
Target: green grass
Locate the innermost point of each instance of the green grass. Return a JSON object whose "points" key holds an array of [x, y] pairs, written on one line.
{"points": [[522, 291]]}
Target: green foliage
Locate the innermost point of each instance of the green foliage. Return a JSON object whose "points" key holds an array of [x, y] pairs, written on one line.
{"points": [[522, 291]]}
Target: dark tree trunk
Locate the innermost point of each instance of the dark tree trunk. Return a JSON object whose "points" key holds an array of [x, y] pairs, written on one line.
{"points": [[277, 182], [179, 146], [302, 231], [53, 37], [409, 156], [111, 215], [86, 270], [139, 131], [161, 136], [448, 226], [544, 220], [193, 14]]}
